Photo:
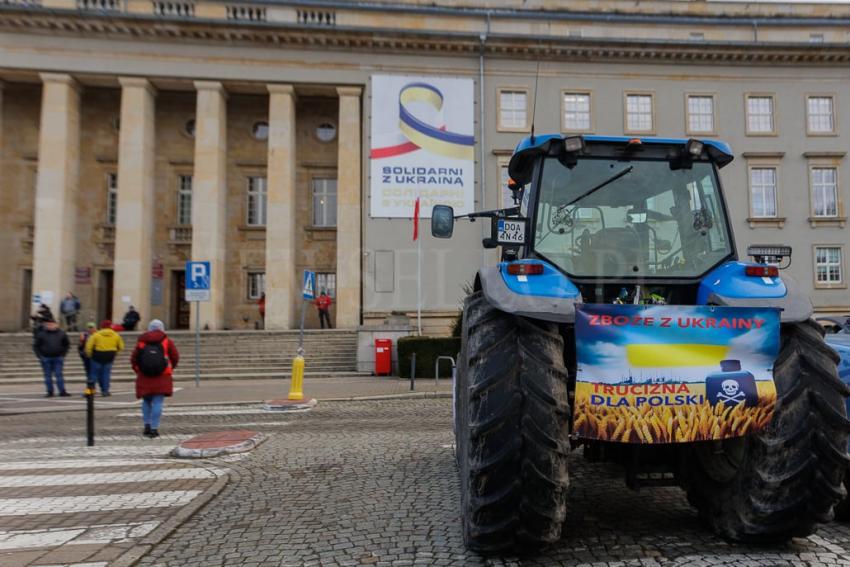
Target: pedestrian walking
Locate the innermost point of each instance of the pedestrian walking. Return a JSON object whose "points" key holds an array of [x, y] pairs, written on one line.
{"points": [[323, 304], [50, 346], [91, 328], [154, 360], [101, 348], [70, 308], [131, 319], [261, 306]]}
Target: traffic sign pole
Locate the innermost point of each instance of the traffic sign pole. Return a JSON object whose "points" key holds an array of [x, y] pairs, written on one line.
{"points": [[197, 344]]}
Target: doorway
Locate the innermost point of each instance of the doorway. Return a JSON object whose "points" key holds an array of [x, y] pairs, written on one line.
{"points": [[26, 298], [104, 294], [179, 305]]}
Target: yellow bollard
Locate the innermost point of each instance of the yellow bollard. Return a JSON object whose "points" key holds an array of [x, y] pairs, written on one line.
{"points": [[296, 388]]}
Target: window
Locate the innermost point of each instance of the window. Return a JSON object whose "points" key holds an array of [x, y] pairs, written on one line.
{"points": [[257, 201], [326, 281], [184, 200], [820, 115], [827, 266], [763, 192], [639, 113], [111, 198], [324, 202], [506, 196], [824, 192], [577, 112], [700, 114], [256, 284], [760, 114], [513, 109]]}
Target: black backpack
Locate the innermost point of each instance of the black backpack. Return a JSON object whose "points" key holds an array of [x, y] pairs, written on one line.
{"points": [[152, 360]]}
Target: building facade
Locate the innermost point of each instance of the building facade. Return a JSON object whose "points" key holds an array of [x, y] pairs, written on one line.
{"points": [[136, 135]]}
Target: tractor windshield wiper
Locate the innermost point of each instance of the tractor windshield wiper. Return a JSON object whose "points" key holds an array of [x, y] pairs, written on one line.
{"points": [[596, 188]]}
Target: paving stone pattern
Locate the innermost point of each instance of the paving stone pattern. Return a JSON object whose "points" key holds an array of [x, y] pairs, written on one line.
{"points": [[375, 484], [370, 483]]}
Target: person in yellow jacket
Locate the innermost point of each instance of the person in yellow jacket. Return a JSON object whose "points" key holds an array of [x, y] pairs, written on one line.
{"points": [[101, 348]]}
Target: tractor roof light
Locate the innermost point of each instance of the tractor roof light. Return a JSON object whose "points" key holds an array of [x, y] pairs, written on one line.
{"points": [[573, 144], [768, 253], [524, 269], [694, 148]]}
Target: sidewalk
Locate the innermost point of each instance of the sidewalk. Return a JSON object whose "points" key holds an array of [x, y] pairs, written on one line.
{"points": [[28, 398]]}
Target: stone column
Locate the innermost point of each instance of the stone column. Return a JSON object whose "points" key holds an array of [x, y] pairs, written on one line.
{"points": [[280, 224], [134, 226], [209, 196], [56, 188], [348, 254]]}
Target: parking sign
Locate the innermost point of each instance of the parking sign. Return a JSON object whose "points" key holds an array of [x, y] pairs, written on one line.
{"points": [[198, 276]]}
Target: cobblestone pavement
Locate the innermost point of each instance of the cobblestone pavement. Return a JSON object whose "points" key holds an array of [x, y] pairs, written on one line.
{"points": [[374, 483]]}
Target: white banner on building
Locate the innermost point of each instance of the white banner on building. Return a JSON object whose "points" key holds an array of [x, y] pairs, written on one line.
{"points": [[423, 142]]}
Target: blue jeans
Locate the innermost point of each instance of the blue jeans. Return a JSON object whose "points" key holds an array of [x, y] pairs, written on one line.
{"points": [[53, 365], [152, 410], [87, 365], [100, 373]]}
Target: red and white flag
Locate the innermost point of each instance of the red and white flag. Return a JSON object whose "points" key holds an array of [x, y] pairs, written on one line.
{"points": [[416, 220]]}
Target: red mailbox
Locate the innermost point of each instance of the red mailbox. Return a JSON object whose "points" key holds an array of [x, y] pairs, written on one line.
{"points": [[383, 357]]}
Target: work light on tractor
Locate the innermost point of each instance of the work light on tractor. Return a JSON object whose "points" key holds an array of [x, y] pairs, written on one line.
{"points": [[621, 326]]}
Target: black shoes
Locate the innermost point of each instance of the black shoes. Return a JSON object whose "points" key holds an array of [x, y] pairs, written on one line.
{"points": [[150, 433], [64, 394], [147, 431], [48, 395], [105, 394]]}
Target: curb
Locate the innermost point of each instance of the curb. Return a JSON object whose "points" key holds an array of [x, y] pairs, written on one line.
{"points": [[241, 447], [132, 555], [406, 396]]}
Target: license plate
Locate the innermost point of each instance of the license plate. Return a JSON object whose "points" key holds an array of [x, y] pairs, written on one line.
{"points": [[511, 231]]}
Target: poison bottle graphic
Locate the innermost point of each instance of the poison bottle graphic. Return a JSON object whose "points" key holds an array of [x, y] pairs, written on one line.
{"points": [[731, 386]]}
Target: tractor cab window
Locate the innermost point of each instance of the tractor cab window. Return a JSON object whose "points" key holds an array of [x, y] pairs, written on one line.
{"points": [[650, 221]]}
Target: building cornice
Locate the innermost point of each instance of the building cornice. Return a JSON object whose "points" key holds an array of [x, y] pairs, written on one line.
{"points": [[129, 26]]}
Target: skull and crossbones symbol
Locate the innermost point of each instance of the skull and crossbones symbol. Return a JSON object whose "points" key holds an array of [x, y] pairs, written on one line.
{"points": [[731, 392]]}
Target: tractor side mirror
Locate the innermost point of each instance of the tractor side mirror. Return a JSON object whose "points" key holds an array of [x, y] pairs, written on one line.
{"points": [[442, 221]]}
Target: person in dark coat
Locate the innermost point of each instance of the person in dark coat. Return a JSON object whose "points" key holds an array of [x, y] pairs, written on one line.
{"points": [[51, 344], [152, 389], [91, 329], [131, 319]]}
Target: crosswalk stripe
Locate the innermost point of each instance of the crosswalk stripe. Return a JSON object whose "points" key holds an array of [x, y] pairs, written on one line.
{"points": [[100, 534], [178, 413], [95, 502], [103, 478], [81, 464], [96, 451]]}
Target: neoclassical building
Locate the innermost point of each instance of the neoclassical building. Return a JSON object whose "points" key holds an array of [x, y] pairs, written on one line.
{"points": [[138, 134]]}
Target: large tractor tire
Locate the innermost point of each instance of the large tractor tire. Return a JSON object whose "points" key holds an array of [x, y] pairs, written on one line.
{"points": [[512, 430], [779, 483]]}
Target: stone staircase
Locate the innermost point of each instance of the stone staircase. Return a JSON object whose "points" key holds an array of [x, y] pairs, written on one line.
{"points": [[224, 355]]}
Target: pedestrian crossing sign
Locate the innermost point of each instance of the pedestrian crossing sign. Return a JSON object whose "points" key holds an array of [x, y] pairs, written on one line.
{"points": [[308, 289]]}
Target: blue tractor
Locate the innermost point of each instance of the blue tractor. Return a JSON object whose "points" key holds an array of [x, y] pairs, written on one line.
{"points": [[632, 222]]}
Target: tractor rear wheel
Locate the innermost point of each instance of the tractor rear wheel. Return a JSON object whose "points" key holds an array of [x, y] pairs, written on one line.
{"points": [[512, 429], [780, 482]]}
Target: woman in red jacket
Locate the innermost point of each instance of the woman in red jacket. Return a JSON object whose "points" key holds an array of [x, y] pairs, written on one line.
{"points": [[154, 359]]}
